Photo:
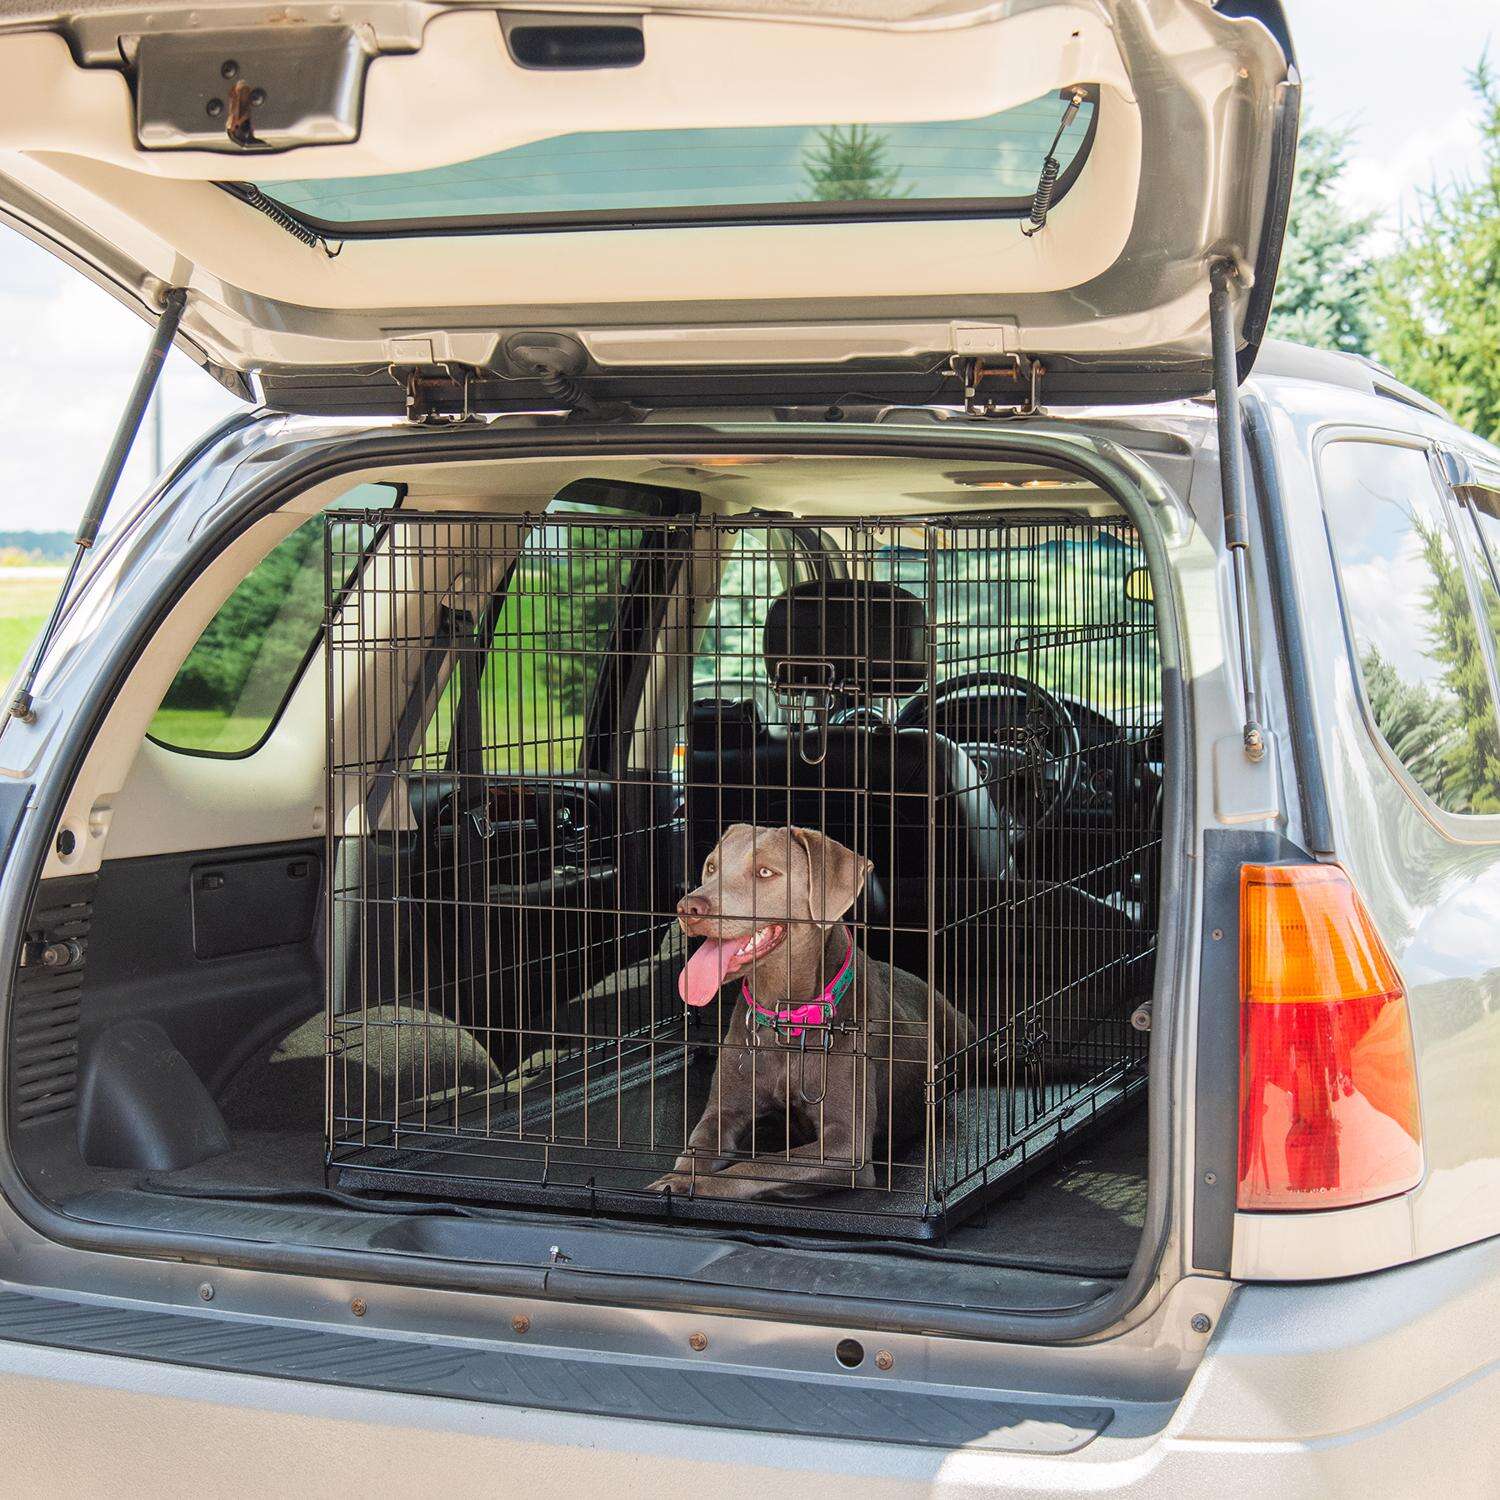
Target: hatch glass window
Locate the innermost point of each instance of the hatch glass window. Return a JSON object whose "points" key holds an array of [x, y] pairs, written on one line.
{"points": [[991, 163], [229, 692], [1416, 639]]}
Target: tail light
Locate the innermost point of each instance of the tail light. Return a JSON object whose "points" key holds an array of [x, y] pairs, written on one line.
{"points": [[1328, 1083]]}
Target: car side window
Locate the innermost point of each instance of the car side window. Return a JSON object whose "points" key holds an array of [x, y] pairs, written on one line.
{"points": [[230, 690], [1416, 639]]}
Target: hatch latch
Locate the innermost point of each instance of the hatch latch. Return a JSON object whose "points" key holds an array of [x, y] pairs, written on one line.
{"points": [[249, 90]]}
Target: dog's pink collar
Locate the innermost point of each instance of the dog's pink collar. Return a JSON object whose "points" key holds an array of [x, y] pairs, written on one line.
{"points": [[795, 1020]]}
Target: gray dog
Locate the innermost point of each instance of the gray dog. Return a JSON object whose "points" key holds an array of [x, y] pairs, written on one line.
{"points": [[825, 1041]]}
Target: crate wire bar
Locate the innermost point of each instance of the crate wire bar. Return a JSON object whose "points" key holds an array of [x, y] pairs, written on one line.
{"points": [[539, 728]]}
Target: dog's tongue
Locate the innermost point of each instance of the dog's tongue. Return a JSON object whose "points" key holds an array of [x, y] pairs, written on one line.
{"points": [[703, 974]]}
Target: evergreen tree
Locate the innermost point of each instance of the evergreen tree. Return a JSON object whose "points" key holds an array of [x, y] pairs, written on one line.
{"points": [[1326, 269], [1437, 299], [1471, 751], [1412, 720], [253, 646], [849, 163]]}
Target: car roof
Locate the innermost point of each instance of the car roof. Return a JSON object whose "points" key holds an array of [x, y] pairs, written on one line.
{"points": [[1282, 360]]}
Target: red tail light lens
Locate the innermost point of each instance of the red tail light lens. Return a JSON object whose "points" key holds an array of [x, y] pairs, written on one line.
{"points": [[1328, 1079]]}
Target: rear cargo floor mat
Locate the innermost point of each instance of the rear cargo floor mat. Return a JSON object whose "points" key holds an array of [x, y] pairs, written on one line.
{"points": [[1083, 1214]]}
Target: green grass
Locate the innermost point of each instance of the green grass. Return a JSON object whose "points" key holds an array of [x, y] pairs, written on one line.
{"points": [[207, 729], [25, 599]]}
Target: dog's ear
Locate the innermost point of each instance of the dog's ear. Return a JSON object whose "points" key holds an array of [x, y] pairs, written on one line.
{"points": [[835, 875]]}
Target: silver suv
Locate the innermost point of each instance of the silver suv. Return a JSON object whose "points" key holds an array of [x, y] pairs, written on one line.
{"points": [[493, 271]]}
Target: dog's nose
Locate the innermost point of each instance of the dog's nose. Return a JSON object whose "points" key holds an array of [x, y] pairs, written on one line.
{"points": [[692, 907]]}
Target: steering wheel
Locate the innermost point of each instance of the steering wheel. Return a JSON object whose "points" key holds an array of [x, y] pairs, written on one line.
{"points": [[1037, 764]]}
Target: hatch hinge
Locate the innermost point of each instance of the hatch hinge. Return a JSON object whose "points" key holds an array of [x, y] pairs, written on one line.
{"points": [[1023, 372], [434, 391], [1222, 275]]}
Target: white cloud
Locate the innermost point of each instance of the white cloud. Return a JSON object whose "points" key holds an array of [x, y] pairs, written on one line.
{"points": [[1396, 75], [1387, 597], [68, 353], [1446, 152]]}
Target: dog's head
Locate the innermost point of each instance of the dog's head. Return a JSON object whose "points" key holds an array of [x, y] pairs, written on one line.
{"points": [[761, 886]]}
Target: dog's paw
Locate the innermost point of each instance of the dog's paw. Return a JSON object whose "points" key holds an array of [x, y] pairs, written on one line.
{"points": [[679, 1184]]}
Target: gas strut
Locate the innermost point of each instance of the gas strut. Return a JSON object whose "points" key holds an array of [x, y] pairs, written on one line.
{"points": [[104, 487], [1232, 484]]}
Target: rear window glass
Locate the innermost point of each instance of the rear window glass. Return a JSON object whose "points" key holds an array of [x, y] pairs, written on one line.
{"points": [[677, 173], [228, 693], [1416, 639]]}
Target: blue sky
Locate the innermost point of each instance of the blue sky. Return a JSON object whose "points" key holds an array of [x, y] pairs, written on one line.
{"points": [[1391, 71]]}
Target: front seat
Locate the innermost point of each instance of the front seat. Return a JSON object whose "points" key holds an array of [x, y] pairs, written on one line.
{"points": [[840, 654]]}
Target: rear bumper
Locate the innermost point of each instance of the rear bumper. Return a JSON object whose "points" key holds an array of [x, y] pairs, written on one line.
{"points": [[1385, 1384]]}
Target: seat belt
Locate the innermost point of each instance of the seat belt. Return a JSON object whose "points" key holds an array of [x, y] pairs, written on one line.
{"points": [[453, 626]]}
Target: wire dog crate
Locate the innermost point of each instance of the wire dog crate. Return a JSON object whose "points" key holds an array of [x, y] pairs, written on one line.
{"points": [[919, 969]]}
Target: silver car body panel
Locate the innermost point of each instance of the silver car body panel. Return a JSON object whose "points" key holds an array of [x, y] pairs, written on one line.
{"points": [[1375, 1385]]}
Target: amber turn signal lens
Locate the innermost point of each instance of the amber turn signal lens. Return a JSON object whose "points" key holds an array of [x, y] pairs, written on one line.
{"points": [[1328, 1083]]}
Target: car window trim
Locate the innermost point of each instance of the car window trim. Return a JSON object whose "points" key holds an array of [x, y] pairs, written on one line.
{"points": [[1490, 484], [1268, 495]]}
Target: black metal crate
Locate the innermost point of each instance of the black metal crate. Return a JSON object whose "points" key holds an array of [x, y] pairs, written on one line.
{"points": [[541, 726]]}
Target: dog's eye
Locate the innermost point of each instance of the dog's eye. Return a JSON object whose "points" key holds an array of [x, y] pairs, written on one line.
{"points": [[765, 872], [708, 869]]}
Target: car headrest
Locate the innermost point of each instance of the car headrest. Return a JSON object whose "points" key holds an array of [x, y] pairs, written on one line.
{"points": [[869, 639]]}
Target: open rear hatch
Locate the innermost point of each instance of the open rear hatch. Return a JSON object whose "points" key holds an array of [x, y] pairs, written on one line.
{"points": [[453, 206]]}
